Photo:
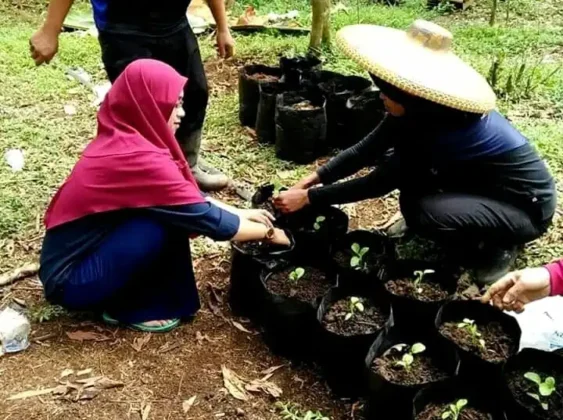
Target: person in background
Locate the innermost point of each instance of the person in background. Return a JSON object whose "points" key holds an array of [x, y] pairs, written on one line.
{"points": [[119, 229], [467, 178], [157, 30], [518, 288]]}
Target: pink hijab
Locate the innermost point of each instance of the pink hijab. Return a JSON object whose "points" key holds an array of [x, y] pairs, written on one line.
{"points": [[134, 161]]}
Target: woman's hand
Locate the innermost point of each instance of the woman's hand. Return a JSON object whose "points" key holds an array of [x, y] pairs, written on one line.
{"points": [[280, 238], [307, 182], [259, 216], [291, 200], [225, 43], [518, 288]]}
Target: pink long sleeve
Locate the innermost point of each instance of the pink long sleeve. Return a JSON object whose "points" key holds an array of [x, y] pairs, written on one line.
{"points": [[556, 273]]}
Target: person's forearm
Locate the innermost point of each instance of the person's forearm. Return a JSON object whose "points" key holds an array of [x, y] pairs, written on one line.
{"points": [[556, 274], [219, 14], [56, 14], [250, 231], [222, 205]]}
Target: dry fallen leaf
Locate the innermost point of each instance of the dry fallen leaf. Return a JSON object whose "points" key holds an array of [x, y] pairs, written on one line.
{"points": [[84, 372], [234, 384], [261, 385], [66, 372], [145, 410], [187, 405], [86, 336], [87, 394], [107, 383], [30, 394], [240, 327], [272, 369], [140, 342]]}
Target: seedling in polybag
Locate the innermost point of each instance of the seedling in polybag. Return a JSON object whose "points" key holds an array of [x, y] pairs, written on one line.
{"points": [[545, 388], [470, 326], [355, 305], [419, 274], [319, 222], [277, 188], [296, 274], [408, 357], [290, 411], [454, 410], [358, 262]]}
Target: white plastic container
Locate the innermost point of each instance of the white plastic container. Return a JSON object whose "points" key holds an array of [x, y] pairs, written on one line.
{"points": [[14, 331]]}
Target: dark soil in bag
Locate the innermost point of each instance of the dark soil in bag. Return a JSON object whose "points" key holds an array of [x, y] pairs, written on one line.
{"points": [[338, 88], [364, 113], [520, 405], [500, 331], [266, 115], [246, 292], [392, 387], [250, 78], [301, 126], [290, 327], [416, 306], [346, 340], [432, 402], [263, 199], [367, 272], [297, 69]]}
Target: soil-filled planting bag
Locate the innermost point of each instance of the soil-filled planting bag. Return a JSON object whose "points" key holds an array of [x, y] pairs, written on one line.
{"points": [[350, 322], [461, 325], [293, 294], [391, 387], [316, 230], [266, 115], [415, 305], [301, 126], [338, 88], [263, 199], [359, 258], [296, 69], [473, 404], [250, 77], [364, 113], [522, 376], [246, 293]]}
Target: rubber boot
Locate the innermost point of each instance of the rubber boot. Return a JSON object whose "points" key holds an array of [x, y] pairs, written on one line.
{"points": [[207, 177], [492, 262]]}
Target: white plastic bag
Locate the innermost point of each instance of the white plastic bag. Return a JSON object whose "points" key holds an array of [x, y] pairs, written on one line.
{"points": [[542, 324], [14, 331]]}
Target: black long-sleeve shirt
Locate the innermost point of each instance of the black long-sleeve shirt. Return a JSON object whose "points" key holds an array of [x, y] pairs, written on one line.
{"points": [[487, 157]]}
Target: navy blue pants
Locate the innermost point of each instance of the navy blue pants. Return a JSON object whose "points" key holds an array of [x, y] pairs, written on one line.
{"points": [[141, 272]]}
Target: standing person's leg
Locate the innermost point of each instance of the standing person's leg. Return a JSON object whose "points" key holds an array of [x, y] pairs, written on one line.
{"points": [[185, 57], [119, 50], [485, 231]]}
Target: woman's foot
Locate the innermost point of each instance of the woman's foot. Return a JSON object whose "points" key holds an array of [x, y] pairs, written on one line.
{"points": [[147, 326]]}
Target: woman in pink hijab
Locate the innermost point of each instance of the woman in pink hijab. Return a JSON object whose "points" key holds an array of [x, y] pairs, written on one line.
{"points": [[118, 230]]}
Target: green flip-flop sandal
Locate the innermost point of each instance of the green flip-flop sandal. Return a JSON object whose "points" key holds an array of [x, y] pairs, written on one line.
{"points": [[169, 326]]}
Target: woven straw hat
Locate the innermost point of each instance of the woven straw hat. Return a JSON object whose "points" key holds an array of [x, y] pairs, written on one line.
{"points": [[420, 62]]}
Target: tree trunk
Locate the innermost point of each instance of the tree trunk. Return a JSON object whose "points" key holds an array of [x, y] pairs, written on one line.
{"points": [[493, 17], [320, 27]]}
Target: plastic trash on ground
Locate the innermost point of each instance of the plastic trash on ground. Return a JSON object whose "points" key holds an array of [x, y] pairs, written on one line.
{"points": [[542, 324], [15, 160], [14, 331]]}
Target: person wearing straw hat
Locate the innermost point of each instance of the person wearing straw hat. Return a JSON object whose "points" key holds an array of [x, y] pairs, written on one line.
{"points": [[467, 177]]}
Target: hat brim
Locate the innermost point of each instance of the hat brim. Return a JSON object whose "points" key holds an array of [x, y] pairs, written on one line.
{"points": [[437, 76]]}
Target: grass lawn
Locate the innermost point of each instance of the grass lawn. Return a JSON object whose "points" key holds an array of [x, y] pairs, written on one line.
{"points": [[528, 35]]}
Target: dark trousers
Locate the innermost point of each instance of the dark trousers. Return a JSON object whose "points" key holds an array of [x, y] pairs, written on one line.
{"points": [[141, 272], [179, 50]]}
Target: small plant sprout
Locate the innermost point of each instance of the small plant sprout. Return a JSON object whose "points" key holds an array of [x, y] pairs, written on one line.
{"points": [[470, 326], [355, 305], [319, 222], [357, 262], [419, 277], [408, 357], [277, 188], [296, 274], [454, 410], [545, 388]]}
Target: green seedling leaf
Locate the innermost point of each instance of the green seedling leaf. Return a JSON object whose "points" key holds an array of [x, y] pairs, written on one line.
{"points": [[364, 251], [408, 359], [348, 316], [354, 300], [355, 261], [399, 347], [461, 403], [545, 406], [360, 306], [356, 248], [534, 377], [296, 274], [417, 348], [547, 387], [534, 396], [446, 415]]}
